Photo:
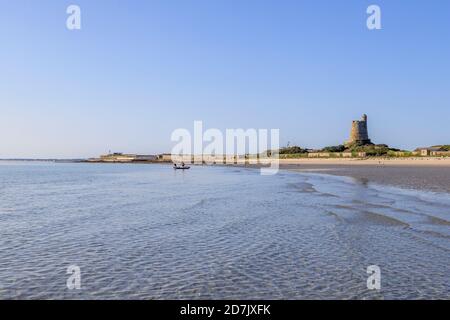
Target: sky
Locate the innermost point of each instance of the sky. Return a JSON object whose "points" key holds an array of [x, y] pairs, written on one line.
{"points": [[138, 70]]}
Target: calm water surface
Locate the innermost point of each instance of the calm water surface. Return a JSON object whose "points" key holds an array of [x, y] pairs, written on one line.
{"points": [[149, 232]]}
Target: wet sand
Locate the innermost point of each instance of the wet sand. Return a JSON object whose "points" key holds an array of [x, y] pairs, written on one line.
{"points": [[424, 174]]}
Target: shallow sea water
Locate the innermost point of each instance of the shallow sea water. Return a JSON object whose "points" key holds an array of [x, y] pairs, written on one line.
{"points": [[149, 232]]}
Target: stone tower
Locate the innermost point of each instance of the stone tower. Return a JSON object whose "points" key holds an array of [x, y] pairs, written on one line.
{"points": [[359, 134]]}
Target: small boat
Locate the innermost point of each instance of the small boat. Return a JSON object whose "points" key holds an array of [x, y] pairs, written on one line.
{"points": [[181, 168]]}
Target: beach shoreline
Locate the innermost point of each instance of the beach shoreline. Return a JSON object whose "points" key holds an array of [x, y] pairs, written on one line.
{"points": [[426, 174], [418, 173], [421, 174], [383, 161]]}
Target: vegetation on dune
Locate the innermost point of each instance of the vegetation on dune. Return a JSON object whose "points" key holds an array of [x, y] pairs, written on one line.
{"points": [[371, 150], [445, 147], [374, 150], [369, 147], [340, 148], [404, 154], [293, 155], [292, 150]]}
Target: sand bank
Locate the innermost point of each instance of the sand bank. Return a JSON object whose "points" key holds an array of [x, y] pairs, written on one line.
{"points": [[425, 161], [428, 174]]}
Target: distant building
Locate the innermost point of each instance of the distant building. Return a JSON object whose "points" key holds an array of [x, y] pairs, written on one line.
{"points": [[143, 157], [165, 157], [440, 153], [123, 157], [359, 134], [427, 151], [117, 157], [432, 151]]}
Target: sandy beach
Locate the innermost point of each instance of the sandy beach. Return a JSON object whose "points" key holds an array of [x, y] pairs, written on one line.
{"points": [[430, 174], [413, 162]]}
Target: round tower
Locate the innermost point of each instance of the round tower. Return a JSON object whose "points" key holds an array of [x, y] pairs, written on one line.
{"points": [[359, 133]]}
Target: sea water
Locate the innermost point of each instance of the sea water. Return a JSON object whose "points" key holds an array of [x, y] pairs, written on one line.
{"points": [[150, 232]]}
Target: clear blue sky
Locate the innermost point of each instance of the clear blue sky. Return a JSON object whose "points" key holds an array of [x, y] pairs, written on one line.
{"points": [[140, 69]]}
